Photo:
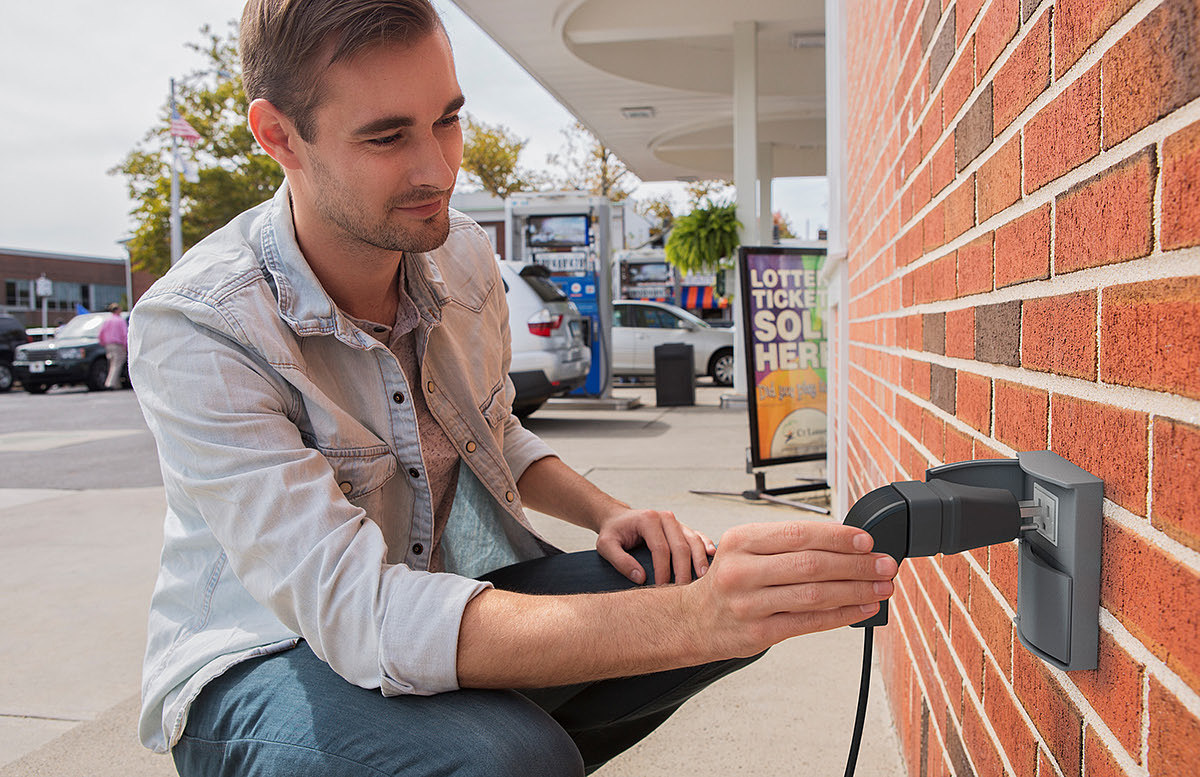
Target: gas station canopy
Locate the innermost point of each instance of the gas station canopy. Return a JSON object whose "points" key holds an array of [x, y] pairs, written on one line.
{"points": [[655, 79]]}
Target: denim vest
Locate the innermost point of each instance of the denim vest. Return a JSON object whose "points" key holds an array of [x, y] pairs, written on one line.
{"points": [[296, 500]]}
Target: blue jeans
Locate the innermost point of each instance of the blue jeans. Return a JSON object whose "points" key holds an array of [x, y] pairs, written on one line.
{"points": [[290, 714]]}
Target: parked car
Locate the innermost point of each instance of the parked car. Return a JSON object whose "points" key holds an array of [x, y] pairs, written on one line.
{"points": [[12, 334], [551, 351], [74, 355], [640, 326]]}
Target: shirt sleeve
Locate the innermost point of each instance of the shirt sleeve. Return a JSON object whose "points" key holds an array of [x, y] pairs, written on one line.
{"points": [[232, 456]]}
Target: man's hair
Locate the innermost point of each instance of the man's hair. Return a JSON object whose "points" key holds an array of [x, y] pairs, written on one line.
{"points": [[287, 45]]}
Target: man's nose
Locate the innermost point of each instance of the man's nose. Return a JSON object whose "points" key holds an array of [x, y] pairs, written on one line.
{"points": [[432, 165]]}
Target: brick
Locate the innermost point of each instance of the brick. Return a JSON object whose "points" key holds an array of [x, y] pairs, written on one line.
{"points": [[957, 752], [994, 625], [959, 84], [1064, 134], [921, 191], [1002, 568], [967, 10], [941, 168], [1181, 188], [1175, 498], [1153, 70], [942, 51], [931, 125], [1099, 759], [1155, 596], [942, 278], [1110, 442], [1023, 248], [942, 387], [960, 333], [973, 400], [1150, 335], [960, 209], [999, 179], [1174, 735], [1022, 415], [909, 245], [1058, 720], [1024, 76], [1114, 689], [958, 445], [1108, 218], [933, 333], [983, 748], [1027, 9], [934, 227], [929, 22], [958, 572], [975, 266], [920, 381], [1080, 23], [998, 333], [974, 131], [1011, 729], [998, 27], [1058, 334], [933, 434]]}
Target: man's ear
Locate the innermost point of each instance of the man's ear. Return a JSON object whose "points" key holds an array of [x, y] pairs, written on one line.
{"points": [[275, 133]]}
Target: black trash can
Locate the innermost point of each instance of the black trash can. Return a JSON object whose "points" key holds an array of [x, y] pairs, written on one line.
{"points": [[674, 378]]}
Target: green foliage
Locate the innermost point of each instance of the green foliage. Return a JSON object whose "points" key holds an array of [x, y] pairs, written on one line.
{"points": [[586, 164], [707, 191], [659, 212], [703, 238], [234, 173], [490, 159]]}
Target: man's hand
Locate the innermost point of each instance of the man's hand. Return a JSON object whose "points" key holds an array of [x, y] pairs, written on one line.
{"points": [[673, 546], [772, 581]]}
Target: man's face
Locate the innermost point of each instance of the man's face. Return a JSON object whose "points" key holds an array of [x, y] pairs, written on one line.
{"points": [[388, 147]]}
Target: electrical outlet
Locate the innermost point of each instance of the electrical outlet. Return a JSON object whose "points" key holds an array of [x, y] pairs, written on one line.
{"points": [[1047, 518]]}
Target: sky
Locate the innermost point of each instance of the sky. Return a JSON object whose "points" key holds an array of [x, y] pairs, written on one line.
{"points": [[82, 85]]}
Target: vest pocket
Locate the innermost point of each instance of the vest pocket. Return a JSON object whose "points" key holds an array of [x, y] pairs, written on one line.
{"points": [[494, 408], [360, 472]]}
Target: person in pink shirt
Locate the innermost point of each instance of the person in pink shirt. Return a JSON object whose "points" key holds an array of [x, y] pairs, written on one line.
{"points": [[114, 334]]}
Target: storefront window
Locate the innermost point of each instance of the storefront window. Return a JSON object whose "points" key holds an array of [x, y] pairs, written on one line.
{"points": [[17, 293]]}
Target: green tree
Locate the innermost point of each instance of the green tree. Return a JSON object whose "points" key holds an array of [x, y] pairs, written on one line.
{"points": [[491, 155], [659, 211], [783, 227], [586, 164], [234, 173], [707, 191]]}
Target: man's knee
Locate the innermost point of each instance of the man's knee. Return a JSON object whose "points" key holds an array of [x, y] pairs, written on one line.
{"points": [[525, 744]]}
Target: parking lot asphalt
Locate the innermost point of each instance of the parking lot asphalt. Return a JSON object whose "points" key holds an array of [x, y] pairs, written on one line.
{"points": [[81, 506]]}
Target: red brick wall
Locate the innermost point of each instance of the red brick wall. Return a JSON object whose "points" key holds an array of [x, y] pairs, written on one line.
{"points": [[1023, 204]]}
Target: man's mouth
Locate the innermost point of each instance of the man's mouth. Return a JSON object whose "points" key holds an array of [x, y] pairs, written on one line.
{"points": [[422, 210]]}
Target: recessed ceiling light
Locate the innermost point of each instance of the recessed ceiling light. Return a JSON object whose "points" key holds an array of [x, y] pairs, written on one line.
{"points": [[807, 40], [638, 112]]}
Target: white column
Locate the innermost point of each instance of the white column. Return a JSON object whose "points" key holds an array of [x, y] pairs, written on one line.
{"points": [[836, 273], [766, 220], [745, 169]]}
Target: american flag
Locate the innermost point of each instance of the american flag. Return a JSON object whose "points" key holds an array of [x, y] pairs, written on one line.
{"points": [[181, 129]]}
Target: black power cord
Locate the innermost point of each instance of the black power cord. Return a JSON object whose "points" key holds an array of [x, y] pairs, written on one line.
{"points": [[864, 688]]}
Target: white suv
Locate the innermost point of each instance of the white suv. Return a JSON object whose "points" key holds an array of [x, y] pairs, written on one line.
{"points": [[639, 326], [551, 351]]}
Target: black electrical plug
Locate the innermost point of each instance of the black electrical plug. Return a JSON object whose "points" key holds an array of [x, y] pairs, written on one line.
{"points": [[912, 518]]}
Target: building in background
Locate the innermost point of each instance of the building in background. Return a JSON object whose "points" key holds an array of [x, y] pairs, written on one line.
{"points": [[90, 282]]}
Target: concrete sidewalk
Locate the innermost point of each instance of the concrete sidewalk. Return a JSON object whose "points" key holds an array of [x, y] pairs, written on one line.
{"points": [[77, 568]]}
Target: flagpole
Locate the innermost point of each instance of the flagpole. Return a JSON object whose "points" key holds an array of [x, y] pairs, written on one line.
{"points": [[176, 226]]}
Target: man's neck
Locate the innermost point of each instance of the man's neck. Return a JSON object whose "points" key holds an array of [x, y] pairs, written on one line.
{"points": [[361, 279]]}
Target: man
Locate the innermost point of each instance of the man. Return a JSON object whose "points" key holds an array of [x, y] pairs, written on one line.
{"points": [[349, 584], [114, 336]]}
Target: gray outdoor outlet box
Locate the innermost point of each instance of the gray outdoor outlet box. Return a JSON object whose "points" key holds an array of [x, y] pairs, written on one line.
{"points": [[1058, 568]]}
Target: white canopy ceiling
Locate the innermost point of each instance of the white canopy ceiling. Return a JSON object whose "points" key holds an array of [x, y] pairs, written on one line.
{"points": [[654, 78]]}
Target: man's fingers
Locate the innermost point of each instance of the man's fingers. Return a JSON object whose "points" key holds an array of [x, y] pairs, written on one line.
{"points": [[811, 597], [820, 565], [681, 551], [792, 536], [788, 624], [610, 549]]}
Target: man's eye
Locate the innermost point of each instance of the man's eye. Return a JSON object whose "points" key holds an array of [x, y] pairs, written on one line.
{"points": [[449, 121], [385, 141]]}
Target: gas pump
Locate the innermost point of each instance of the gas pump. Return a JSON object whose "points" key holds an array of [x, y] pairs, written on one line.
{"points": [[570, 234]]}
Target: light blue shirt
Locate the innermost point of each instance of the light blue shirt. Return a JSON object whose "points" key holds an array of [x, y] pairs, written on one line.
{"points": [[297, 504]]}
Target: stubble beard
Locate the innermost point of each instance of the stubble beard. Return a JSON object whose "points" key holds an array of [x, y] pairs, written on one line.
{"points": [[344, 211]]}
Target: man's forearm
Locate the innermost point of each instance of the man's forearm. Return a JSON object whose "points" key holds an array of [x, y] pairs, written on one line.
{"points": [[549, 486], [510, 640]]}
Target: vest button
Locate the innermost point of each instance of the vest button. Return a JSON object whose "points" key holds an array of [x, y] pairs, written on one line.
{"points": [[398, 398], [414, 472], [429, 386], [418, 549], [509, 495], [471, 446], [345, 486]]}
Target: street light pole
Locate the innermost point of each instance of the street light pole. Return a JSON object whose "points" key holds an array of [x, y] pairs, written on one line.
{"points": [[176, 226]]}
